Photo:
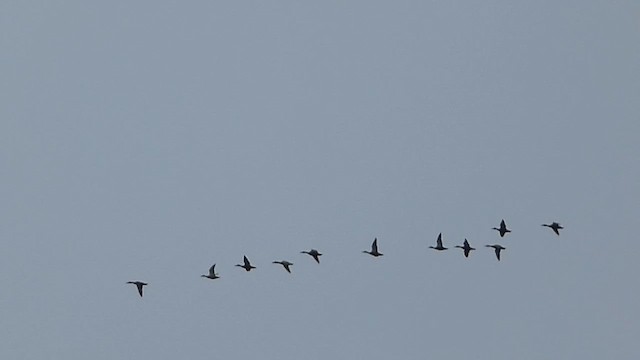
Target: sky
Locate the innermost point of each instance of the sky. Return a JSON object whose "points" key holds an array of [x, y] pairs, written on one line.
{"points": [[148, 140]]}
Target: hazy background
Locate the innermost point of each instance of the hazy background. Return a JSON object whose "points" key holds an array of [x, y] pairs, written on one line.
{"points": [[146, 140]]}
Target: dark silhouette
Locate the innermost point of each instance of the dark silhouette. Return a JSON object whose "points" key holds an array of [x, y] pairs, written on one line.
{"points": [[212, 273], [247, 265], [438, 244], [139, 285], [503, 228], [284, 263], [374, 249], [466, 247], [497, 248], [314, 253], [555, 227]]}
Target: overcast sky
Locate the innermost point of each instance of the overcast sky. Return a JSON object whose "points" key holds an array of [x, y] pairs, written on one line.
{"points": [[147, 140]]}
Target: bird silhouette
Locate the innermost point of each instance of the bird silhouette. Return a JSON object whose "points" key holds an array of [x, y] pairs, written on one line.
{"points": [[212, 273], [466, 247], [497, 249], [284, 263], [314, 253], [438, 244], [139, 285], [247, 265], [374, 249], [503, 229], [555, 227]]}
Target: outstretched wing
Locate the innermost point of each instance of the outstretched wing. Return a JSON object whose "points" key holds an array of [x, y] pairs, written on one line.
{"points": [[246, 262], [212, 270], [439, 241], [503, 226], [374, 246]]}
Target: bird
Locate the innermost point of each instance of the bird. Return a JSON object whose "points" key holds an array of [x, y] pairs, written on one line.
{"points": [[503, 228], [247, 265], [139, 285], [555, 227], [466, 247], [314, 253], [212, 273], [497, 248], [438, 244], [374, 249], [284, 263]]}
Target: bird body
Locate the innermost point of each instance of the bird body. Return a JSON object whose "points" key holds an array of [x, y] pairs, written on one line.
{"points": [[284, 263], [139, 285], [247, 265], [374, 249], [555, 227], [314, 253], [502, 229], [497, 249], [466, 247], [438, 244], [212, 273]]}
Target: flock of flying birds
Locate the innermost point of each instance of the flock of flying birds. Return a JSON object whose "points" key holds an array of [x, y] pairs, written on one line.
{"points": [[374, 252]]}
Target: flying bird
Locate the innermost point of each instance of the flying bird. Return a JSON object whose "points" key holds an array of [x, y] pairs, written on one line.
{"points": [[503, 228], [247, 265], [212, 273], [374, 249], [466, 247], [284, 263], [555, 227], [139, 285], [438, 244], [314, 253], [497, 248]]}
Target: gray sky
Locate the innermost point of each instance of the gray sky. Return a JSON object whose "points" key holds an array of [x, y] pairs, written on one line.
{"points": [[147, 140]]}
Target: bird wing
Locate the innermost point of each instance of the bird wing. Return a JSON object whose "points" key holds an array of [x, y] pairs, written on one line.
{"points": [[246, 262], [315, 256], [466, 251], [555, 230], [439, 241], [139, 285], [498, 253], [374, 246], [212, 270]]}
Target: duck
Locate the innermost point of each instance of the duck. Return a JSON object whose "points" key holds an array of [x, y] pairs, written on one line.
{"points": [[314, 253], [374, 249], [555, 227], [139, 285], [503, 229], [466, 247], [497, 248], [438, 244], [212, 273], [284, 263], [247, 265]]}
